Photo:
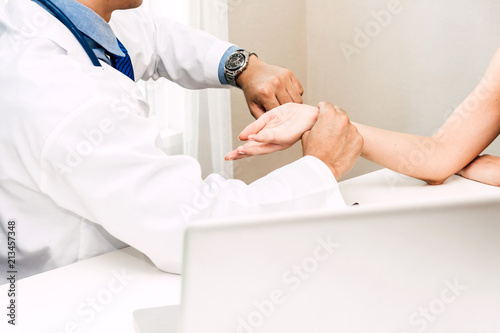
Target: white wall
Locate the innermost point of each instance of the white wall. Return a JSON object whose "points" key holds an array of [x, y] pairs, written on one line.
{"points": [[408, 72]]}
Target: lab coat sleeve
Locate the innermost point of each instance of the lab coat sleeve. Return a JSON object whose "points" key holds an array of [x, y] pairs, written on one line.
{"points": [[162, 47], [103, 163]]}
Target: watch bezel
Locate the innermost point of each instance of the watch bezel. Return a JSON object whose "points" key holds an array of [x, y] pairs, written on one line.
{"points": [[241, 61], [231, 73]]}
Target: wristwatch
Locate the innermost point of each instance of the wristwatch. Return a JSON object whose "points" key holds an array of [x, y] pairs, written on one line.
{"points": [[235, 64]]}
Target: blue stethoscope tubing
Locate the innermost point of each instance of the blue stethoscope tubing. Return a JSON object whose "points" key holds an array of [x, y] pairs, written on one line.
{"points": [[71, 27]]}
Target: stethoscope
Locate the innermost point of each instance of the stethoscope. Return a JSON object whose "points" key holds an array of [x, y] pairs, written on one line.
{"points": [[74, 30]]}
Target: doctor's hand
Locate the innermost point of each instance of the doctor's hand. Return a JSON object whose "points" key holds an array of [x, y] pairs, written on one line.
{"points": [[333, 140], [275, 130], [484, 169], [267, 86]]}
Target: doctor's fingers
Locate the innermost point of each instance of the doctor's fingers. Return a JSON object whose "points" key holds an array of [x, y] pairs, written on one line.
{"points": [[297, 85], [288, 87], [283, 96], [333, 118], [295, 90], [270, 99], [262, 104], [272, 96], [257, 108], [288, 90], [347, 134]]}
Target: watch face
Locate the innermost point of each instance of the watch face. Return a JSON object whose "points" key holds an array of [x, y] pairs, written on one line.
{"points": [[235, 61]]}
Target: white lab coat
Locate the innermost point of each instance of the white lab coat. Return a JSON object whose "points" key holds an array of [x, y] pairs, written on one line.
{"points": [[81, 171]]}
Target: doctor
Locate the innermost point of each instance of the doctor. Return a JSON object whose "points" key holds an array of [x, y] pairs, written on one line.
{"points": [[81, 171]]}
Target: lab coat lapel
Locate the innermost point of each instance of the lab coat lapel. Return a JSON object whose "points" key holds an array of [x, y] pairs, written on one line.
{"points": [[32, 21]]}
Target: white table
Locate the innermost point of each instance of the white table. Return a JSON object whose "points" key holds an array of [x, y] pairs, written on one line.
{"points": [[100, 294], [388, 187]]}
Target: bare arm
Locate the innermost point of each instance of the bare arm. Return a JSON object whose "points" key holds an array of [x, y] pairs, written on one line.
{"points": [[484, 169], [466, 133]]}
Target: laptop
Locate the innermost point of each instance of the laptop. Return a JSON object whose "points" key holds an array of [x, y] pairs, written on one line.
{"points": [[432, 267]]}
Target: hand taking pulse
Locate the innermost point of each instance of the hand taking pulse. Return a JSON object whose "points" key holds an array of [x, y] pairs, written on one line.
{"points": [[267, 87], [334, 140], [331, 138]]}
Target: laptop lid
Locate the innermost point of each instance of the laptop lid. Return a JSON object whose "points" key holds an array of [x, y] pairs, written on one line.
{"points": [[410, 268]]}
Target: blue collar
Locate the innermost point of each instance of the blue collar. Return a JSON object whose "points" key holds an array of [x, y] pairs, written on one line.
{"points": [[91, 24]]}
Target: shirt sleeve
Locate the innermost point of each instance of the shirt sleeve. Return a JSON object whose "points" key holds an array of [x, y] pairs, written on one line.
{"points": [[161, 47], [222, 76], [102, 162]]}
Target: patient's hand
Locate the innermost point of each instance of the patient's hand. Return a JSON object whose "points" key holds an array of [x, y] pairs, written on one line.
{"points": [[484, 169], [275, 130]]}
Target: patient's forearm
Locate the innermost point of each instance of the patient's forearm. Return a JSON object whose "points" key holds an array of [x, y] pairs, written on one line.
{"points": [[412, 155], [473, 125]]}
